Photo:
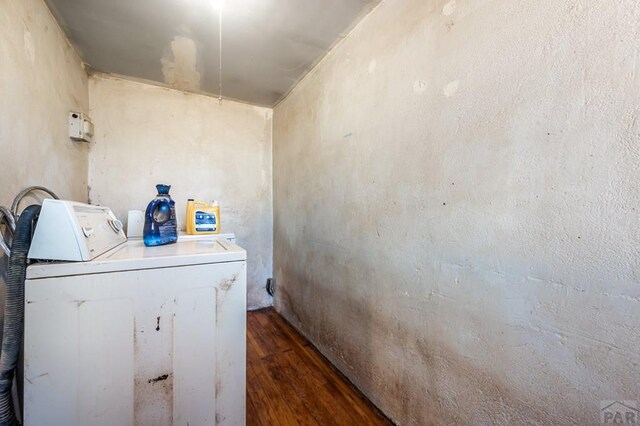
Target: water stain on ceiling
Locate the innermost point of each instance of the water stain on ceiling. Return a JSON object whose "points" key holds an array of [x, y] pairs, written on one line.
{"points": [[267, 45], [181, 67]]}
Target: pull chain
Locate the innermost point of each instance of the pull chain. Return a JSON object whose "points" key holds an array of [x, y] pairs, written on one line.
{"points": [[220, 54]]}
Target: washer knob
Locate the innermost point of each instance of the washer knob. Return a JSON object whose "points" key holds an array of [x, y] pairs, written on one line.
{"points": [[87, 231], [116, 225]]}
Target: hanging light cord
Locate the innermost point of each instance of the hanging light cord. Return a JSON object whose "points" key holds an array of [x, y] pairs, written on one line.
{"points": [[220, 57]]}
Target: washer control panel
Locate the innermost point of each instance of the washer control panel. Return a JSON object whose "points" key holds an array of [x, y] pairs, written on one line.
{"points": [[72, 231]]}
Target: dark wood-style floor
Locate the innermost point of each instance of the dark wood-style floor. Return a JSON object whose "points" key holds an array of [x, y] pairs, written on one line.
{"points": [[290, 383]]}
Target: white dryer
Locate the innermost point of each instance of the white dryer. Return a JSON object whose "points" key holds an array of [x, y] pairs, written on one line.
{"points": [[138, 336]]}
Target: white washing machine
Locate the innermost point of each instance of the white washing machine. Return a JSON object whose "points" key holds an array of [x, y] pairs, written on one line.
{"points": [[137, 335]]}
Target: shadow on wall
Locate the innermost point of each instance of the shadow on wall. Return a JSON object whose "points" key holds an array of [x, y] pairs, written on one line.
{"points": [[358, 331]]}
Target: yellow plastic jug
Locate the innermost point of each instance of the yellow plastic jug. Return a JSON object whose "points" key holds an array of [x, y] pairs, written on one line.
{"points": [[187, 218], [202, 218]]}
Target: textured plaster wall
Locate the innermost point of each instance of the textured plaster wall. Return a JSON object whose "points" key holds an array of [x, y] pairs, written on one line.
{"points": [[147, 135], [41, 80], [456, 209]]}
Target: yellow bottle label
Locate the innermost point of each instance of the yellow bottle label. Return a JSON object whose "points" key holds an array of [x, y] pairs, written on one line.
{"points": [[203, 219]]}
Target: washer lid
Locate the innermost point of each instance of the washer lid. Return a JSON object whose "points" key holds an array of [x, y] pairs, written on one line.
{"points": [[133, 255]]}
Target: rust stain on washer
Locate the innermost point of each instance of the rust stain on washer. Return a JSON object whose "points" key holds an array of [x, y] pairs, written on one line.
{"points": [[225, 286], [153, 394], [159, 378]]}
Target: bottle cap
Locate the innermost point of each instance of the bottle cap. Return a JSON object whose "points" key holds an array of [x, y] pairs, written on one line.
{"points": [[163, 189]]}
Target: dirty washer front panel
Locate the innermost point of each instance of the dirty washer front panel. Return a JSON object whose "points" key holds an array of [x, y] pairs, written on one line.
{"points": [[150, 347]]}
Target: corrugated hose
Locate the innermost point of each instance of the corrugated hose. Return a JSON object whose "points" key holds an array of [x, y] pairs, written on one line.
{"points": [[14, 311]]}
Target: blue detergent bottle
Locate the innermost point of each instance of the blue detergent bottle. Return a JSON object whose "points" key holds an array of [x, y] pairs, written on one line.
{"points": [[160, 225]]}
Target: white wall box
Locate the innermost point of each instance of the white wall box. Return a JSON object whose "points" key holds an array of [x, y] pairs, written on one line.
{"points": [[80, 127]]}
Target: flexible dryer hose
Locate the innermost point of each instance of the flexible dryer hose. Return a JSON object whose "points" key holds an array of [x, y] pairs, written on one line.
{"points": [[14, 311]]}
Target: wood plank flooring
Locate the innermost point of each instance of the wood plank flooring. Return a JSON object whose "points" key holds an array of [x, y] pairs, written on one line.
{"points": [[290, 383]]}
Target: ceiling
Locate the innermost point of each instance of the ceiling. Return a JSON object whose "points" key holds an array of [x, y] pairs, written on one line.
{"points": [[267, 45]]}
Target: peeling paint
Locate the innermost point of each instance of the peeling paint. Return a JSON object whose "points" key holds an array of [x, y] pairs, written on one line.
{"points": [[449, 8], [451, 88], [419, 87], [181, 67], [267, 45]]}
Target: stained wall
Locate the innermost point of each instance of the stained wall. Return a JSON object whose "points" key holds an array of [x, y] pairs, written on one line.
{"points": [[456, 209], [204, 149], [41, 80]]}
